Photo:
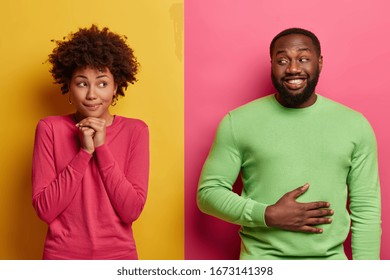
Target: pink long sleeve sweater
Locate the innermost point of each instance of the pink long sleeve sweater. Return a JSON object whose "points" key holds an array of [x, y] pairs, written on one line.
{"points": [[90, 201]]}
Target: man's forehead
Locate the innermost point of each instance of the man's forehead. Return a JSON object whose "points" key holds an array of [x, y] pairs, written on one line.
{"points": [[293, 42]]}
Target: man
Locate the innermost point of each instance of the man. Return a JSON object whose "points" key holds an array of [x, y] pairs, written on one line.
{"points": [[300, 156]]}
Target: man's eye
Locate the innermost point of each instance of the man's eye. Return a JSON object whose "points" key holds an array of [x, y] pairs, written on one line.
{"points": [[304, 59], [282, 61]]}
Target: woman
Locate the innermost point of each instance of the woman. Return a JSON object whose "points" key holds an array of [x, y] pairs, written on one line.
{"points": [[90, 168]]}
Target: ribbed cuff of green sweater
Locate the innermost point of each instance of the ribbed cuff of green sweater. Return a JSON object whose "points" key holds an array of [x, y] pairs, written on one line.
{"points": [[258, 214]]}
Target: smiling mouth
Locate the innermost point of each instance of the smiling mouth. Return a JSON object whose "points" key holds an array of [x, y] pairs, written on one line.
{"points": [[295, 83], [92, 106]]}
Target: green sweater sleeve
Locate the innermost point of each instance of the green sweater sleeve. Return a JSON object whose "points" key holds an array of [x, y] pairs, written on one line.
{"points": [[364, 191], [220, 171]]}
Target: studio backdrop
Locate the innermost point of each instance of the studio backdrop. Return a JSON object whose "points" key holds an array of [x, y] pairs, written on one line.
{"points": [[155, 31], [227, 65]]}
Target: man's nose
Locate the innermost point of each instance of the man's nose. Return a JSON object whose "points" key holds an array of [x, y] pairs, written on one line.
{"points": [[294, 67]]}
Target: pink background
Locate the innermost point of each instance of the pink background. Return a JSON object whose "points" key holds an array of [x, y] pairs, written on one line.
{"points": [[227, 65]]}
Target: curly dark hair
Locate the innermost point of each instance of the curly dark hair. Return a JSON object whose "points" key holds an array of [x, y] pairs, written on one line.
{"points": [[295, 30], [97, 49]]}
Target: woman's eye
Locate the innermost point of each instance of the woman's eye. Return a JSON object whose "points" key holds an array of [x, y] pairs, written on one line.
{"points": [[102, 84], [81, 84]]}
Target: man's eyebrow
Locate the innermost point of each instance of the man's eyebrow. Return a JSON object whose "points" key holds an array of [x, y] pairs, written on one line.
{"points": [[304, 50], [299, 50]]}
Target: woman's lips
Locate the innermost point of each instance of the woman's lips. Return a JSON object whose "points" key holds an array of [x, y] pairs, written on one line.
{"points": [[92, 107]]}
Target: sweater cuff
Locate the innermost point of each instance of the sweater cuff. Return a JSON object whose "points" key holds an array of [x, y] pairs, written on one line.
{"points": [[80, 161], [104, 156], [258, 214]]}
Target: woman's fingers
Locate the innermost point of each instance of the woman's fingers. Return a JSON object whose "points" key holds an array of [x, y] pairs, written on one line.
{"points": [[95, 123], [98, 126], [86, 135]]}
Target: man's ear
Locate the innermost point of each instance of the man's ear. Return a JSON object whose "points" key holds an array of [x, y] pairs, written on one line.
{"points": [[320, 62]]}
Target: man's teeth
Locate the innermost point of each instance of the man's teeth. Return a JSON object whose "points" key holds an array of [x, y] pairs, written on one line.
{"points": [[296, 81]]}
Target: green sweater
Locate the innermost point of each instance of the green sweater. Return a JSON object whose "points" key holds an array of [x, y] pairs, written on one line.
{"points": [[277, 149]]}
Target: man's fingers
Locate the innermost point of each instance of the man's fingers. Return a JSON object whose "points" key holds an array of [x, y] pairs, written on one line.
{"points": [[316, 205], [310, 229], [299, 191], [318, 221], [320, 213]]}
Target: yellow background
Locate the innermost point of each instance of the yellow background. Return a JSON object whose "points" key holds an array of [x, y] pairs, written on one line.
{"points": [[155, 32]]}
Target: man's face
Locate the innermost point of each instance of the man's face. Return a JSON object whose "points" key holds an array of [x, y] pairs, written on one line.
{"points": [[296, 67]]}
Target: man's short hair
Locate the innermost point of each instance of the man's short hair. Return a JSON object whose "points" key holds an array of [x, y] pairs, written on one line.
{"points": [[301, 31]]}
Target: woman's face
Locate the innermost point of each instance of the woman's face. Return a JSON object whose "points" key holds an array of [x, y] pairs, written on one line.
{"points": [[91, 92]]}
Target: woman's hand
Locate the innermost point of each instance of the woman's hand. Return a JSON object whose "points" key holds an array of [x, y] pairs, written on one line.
{"points": [[92, 133], [86, 135]]}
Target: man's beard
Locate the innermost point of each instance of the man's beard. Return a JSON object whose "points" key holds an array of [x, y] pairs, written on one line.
{"points": [[295, 100]]}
